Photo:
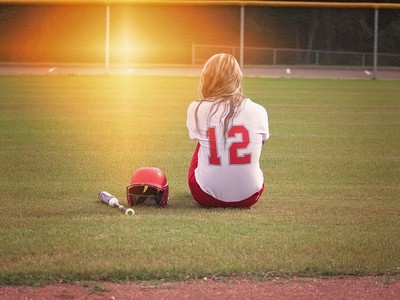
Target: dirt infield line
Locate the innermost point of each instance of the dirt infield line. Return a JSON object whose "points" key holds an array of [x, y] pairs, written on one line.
{"points": [[366, 288]]}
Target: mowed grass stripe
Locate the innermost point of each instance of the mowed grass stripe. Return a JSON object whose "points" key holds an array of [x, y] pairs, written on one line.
{"points": [[332, 169]]}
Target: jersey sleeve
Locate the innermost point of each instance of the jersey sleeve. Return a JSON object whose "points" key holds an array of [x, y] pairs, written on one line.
{"points": [[265, 124], [260, 118], [191, 121]]}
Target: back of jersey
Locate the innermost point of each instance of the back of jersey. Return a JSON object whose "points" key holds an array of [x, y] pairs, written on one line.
{"points": [[228, 168]]}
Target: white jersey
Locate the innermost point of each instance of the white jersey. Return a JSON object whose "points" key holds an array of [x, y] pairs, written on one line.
{"points": [[229, 171]]}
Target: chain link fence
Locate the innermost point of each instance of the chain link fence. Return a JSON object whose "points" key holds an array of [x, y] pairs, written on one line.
{"points": [[189, 34]]}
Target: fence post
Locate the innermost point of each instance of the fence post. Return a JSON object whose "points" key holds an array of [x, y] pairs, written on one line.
{"points": [[107, 49], [193, 49], [241, 34], [375, 43]]}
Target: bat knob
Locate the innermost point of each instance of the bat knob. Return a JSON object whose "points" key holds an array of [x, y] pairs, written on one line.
{"points": [[129, 212]]}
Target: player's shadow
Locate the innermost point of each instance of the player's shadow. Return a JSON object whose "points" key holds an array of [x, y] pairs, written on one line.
{"points": [[185, 201]]}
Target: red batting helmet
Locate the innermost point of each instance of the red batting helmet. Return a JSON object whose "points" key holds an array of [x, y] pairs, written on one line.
{"points": [[148, 186]]}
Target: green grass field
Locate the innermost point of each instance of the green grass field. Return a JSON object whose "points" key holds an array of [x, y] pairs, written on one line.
{"points": [[332, 175]]}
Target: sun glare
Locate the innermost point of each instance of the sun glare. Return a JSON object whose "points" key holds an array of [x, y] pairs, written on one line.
{"points": [[125, 50]]}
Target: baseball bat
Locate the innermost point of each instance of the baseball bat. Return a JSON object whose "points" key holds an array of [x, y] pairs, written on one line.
{"points": [[112, 201]]}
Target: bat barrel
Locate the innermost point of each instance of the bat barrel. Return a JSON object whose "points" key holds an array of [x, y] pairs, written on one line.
{"points": [[105, 197]]}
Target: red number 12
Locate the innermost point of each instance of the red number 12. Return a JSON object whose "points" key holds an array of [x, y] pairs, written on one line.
{"points": [[234, 158]]}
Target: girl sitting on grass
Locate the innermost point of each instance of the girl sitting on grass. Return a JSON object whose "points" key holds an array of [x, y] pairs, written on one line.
{"points": [[230, 130]]}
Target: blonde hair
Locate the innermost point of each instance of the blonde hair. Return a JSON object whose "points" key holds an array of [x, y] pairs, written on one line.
{"points": [[221, 83]]}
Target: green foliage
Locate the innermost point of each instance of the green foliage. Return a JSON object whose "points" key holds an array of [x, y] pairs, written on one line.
{"points": [[331, 204]]}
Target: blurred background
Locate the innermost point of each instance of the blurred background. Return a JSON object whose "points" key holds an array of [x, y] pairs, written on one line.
{"points": [[170, 34]]}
